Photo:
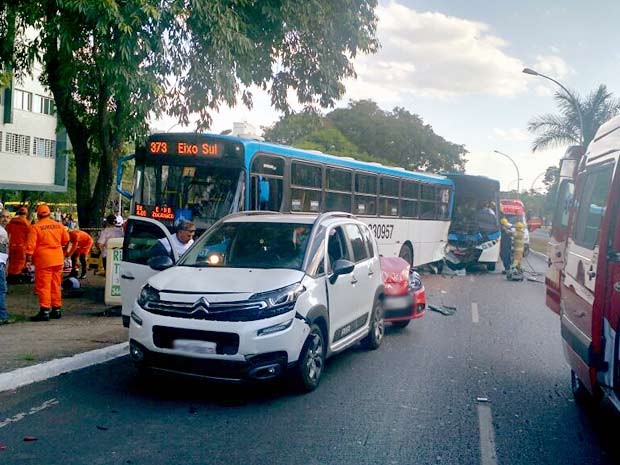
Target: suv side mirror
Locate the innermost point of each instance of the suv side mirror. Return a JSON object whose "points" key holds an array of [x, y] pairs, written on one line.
{"points": [[341, 267], [160, 262]]}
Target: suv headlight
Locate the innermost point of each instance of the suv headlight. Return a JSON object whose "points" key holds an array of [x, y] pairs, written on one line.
{"points": [[148, 294], [279, 300]]}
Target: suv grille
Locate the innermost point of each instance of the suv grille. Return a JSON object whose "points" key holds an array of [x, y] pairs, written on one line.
{"points": [[203, 310]]}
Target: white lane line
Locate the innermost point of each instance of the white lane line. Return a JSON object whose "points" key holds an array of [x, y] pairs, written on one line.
{"points": [[474, 313], [488, 454], [472, 279], [42, 371], [20, 416]]}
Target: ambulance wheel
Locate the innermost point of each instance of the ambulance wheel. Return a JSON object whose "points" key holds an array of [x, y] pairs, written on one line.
{"points": [[491, 266]]}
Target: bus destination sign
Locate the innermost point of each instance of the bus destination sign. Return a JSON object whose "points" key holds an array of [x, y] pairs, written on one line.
{"points": [[157, 212], [209, 149]]}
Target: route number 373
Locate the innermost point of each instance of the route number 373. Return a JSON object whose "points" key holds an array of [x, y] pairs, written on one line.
{"points": [[382, 231]]}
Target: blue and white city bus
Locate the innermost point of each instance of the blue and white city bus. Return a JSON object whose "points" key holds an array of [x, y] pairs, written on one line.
{"points": [[203, 177]]}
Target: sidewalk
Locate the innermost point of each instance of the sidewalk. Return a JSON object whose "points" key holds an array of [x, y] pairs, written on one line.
{"points": [[86, 324]]}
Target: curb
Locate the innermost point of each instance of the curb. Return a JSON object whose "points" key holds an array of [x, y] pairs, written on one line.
{"points": [[42, 371]]}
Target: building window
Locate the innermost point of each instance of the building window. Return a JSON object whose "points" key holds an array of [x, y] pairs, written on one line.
{"points": [[43, 104], [17, 143], [44, 148], [22, 100]]}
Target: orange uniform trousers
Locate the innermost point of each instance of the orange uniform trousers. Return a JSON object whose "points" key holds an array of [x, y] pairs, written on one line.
{"points": [[47, 283], [46, 239], [18, 229]]}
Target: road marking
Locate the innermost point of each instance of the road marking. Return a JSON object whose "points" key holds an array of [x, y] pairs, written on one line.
{"points": [[20, 416], [472, 279], [488, 454], [474, 312]]}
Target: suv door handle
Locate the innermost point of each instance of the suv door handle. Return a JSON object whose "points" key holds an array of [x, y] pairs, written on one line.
{"points": [[591, 272], [370, 272], [126, 276], [353, 280]]}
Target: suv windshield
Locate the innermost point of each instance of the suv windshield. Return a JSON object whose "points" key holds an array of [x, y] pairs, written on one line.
{"points": [[251, 245]]}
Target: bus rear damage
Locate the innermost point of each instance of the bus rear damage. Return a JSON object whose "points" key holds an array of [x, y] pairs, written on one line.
{"points": [[474, 231]]}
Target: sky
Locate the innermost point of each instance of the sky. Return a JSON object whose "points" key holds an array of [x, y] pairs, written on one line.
{"points": [[457, 64]]}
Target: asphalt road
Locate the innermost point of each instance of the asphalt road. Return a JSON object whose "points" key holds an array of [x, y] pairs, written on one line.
{"points": [[487, 385]]}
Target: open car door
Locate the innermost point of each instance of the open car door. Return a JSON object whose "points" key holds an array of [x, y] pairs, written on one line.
{"points": [[144, 239]]}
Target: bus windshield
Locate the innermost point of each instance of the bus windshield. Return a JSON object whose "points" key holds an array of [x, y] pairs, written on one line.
{"points": [[202, 194]]}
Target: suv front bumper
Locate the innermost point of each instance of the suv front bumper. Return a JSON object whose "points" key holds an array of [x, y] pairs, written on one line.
{"points": [[239, 352]]}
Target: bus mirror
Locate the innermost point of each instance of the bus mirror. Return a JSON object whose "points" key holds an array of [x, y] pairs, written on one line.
{"points": [[120, 168], [160, 262]]}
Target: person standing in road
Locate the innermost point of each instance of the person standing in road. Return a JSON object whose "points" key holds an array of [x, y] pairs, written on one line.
{"points": [[505, 245], [4, 256], [181, 241], [18, 229], [46, 240], [112, 229], [79, 246]]}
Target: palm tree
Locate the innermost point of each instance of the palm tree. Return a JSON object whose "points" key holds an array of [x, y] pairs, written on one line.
{"points": [[564, 128]]}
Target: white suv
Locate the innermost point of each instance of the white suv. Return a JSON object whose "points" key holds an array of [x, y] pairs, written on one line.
{"points": [[261, 294]]}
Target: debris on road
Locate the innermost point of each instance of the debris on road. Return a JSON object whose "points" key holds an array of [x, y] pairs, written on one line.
{"points": [[29, 438], [443, 309], [482, 399], [102, 428]]}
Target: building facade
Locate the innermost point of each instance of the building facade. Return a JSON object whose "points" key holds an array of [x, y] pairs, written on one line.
{"points": [[33, 151]]}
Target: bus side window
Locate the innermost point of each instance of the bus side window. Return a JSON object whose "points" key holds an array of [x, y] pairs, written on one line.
{"points": [[267, 176], [306, 187]]}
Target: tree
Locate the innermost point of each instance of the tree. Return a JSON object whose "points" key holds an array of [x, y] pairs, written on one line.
{"points": [[112, 64], [565, 128], [397, 138]]}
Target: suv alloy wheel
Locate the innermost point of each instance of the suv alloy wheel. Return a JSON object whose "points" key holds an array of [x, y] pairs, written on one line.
{"points": [[307, 374], [377, 328]]}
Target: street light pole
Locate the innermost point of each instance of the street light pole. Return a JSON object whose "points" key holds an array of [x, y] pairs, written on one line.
{"points": [[515, 165], [570, 96]]}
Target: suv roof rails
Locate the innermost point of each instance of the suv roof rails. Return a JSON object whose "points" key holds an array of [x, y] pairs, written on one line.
{"points": [[252, 213], [326, 215]]}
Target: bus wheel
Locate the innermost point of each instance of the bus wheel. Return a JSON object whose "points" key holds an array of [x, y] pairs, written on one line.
{"points": [[406, 253]]}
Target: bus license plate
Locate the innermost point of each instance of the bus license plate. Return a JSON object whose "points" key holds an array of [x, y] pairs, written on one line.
{"points": [[195, 347]]}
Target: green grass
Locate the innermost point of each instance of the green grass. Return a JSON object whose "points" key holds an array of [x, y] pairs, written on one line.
{"points": [[29, 357], [17, 317]]}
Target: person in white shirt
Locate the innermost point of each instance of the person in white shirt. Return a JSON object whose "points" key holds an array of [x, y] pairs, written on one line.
{"points": [[181, 241], [110, 231], [4, 257]]}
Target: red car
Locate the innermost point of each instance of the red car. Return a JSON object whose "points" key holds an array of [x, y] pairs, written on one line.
{"points": [[405, 298]]}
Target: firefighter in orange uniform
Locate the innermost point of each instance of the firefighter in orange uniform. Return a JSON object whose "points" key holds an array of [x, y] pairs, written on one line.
{"points": [[18, 229], [80, 243], [46, 240]]}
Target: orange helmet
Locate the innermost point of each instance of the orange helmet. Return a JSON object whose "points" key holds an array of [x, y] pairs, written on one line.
{"points": [[43, 210]]}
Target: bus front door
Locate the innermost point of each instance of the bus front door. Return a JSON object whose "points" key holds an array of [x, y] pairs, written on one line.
{"points": [[144, 239]]}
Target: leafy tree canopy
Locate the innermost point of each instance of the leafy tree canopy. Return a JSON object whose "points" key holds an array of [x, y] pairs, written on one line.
{"points": [[395, 137], [565, 128], [112, 64]]}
